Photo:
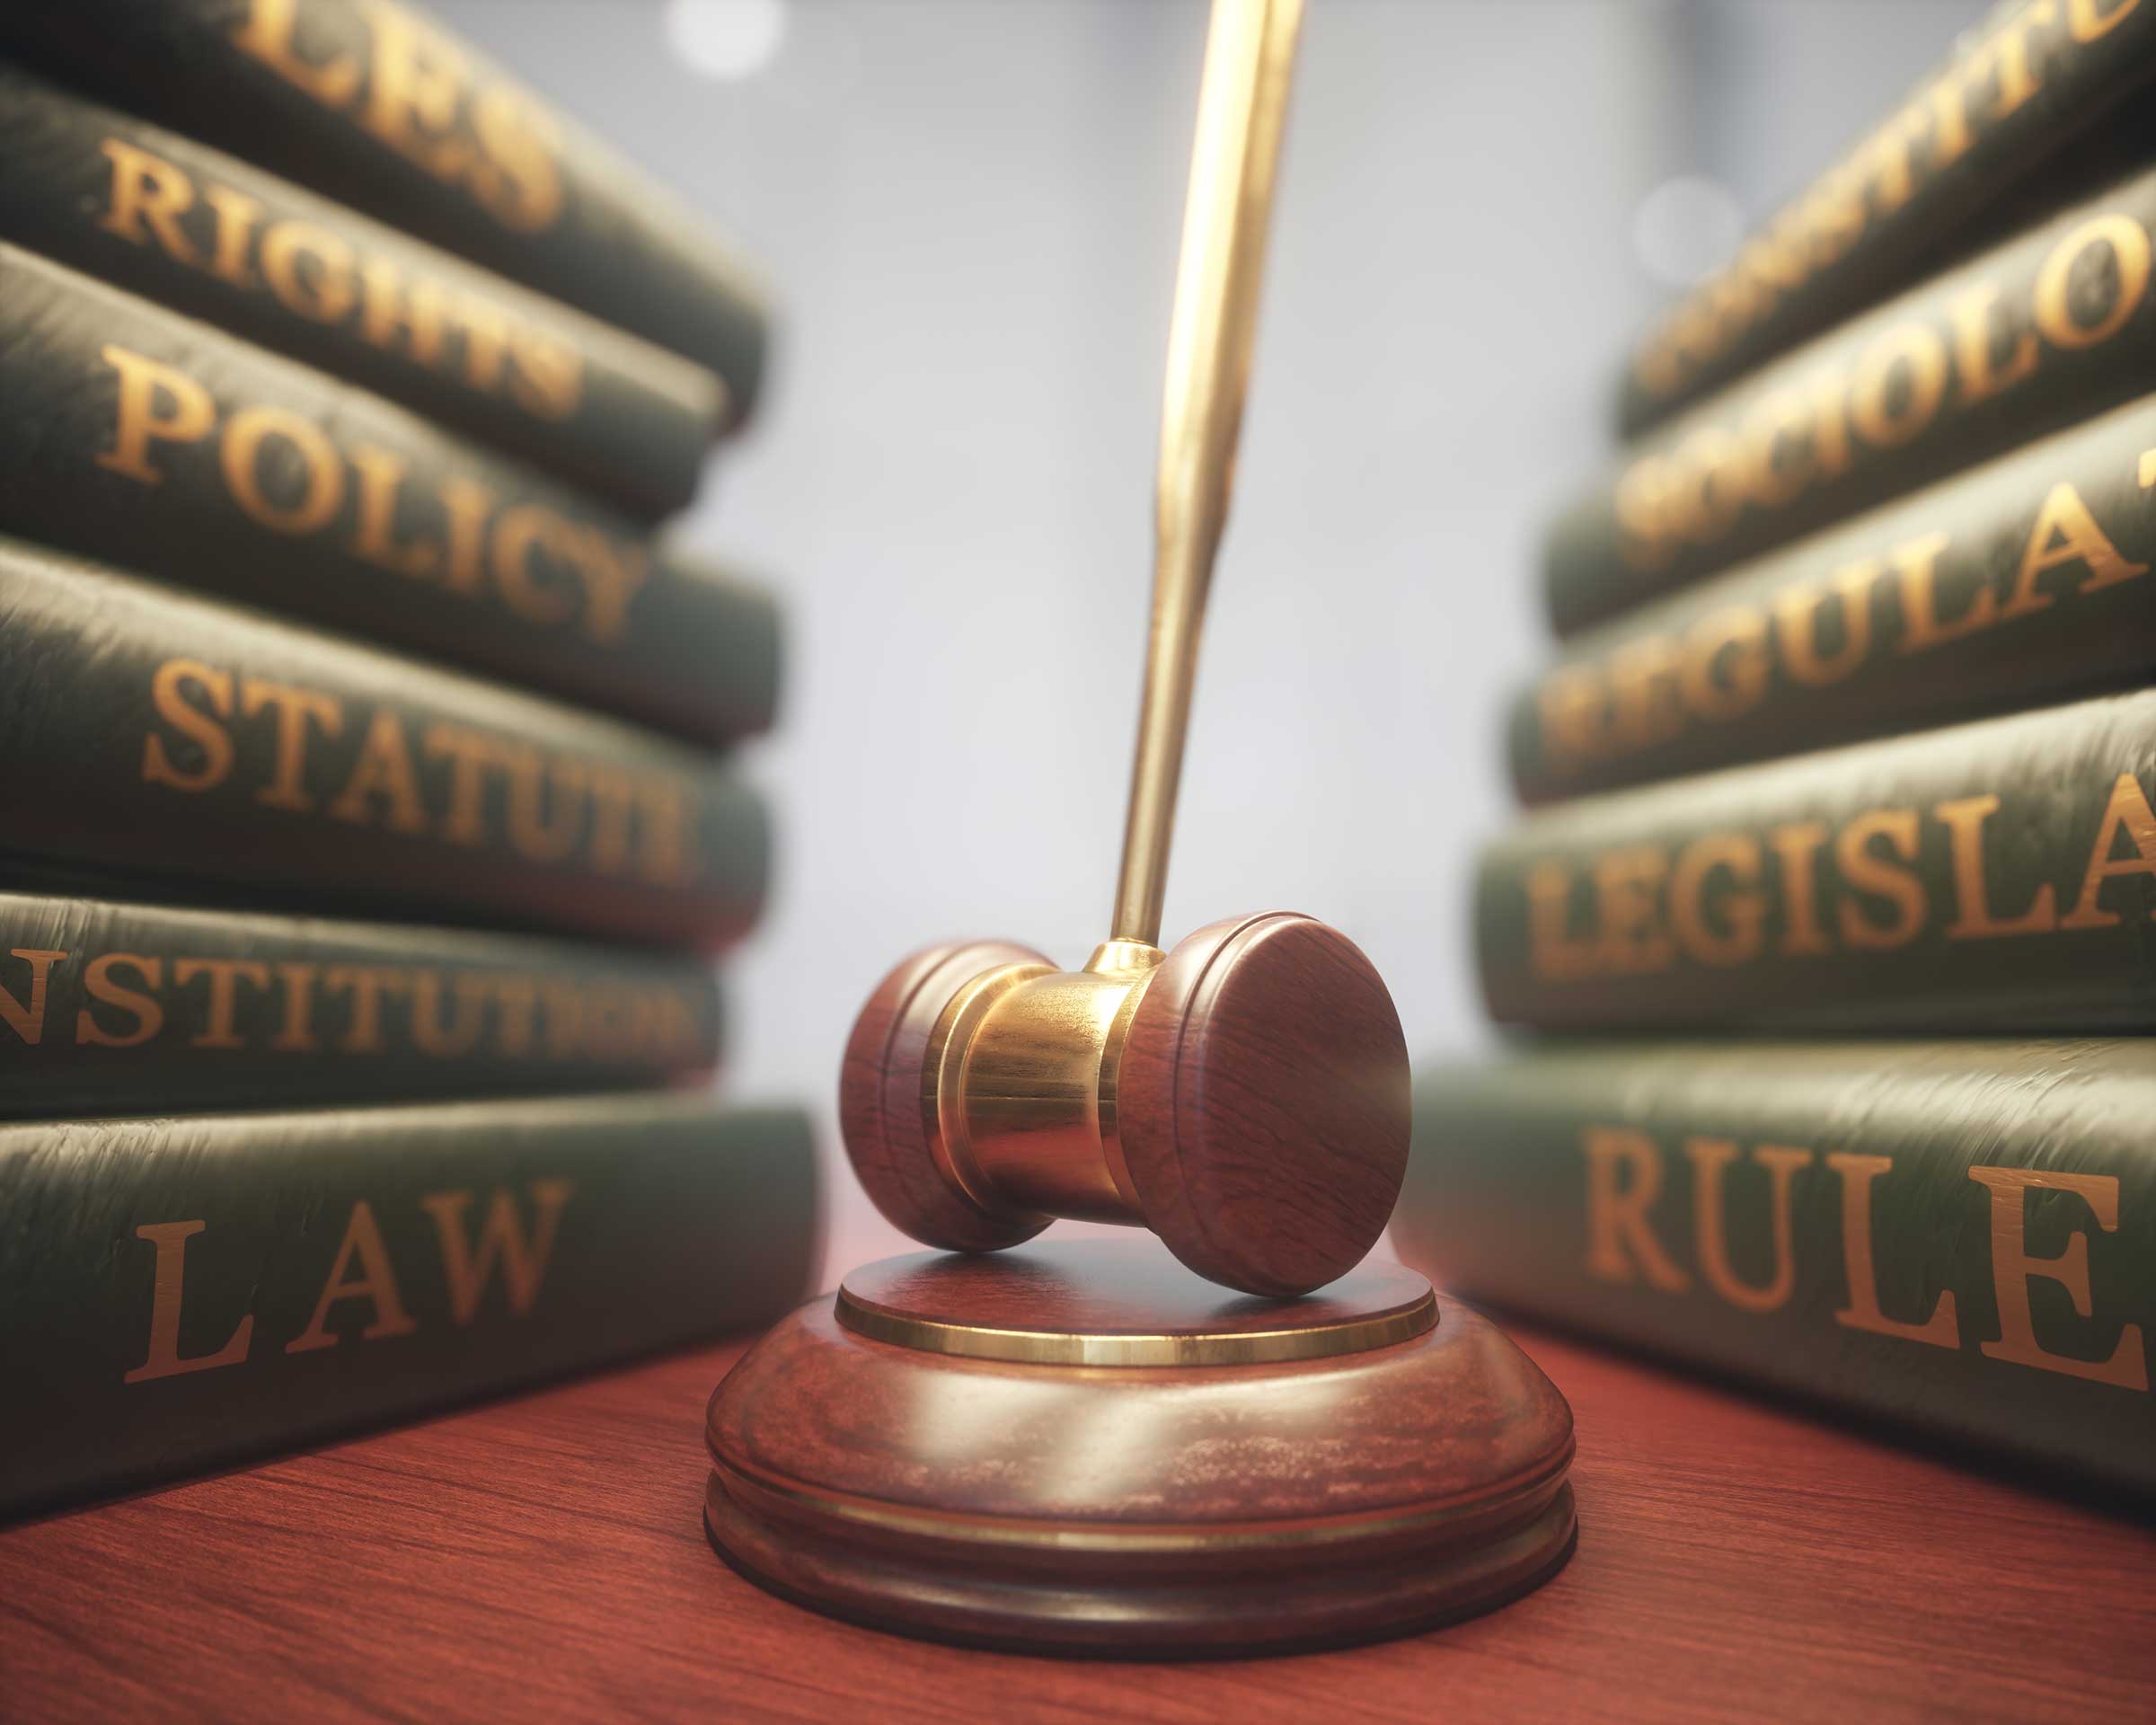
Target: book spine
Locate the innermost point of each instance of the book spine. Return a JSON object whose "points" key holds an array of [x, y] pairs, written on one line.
{"points": [[379, 107], [2023, 579], [118, 1008], [192, 228], [150, 732], [183, 1294], [137, 436], [2054, 326], [1950, 1237], [2021, 90], [1997, 875]]}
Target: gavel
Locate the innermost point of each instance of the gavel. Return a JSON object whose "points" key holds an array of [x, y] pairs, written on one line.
{"points": [[1244, 1096]]}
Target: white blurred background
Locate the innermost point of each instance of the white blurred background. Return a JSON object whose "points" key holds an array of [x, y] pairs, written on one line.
{"points": [[967, 211]]}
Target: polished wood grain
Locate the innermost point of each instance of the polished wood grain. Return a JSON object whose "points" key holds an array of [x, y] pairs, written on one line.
{"points": [[1246, 1098], [1263, 1099], [1161, 1509], [880, 1084], [543, 1558]]}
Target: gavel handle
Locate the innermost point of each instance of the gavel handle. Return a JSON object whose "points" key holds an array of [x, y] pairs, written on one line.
{"points": [[1249, 53]]}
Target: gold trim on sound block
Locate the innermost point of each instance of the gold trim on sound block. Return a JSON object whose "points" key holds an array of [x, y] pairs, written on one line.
{"points": [[1193, 1347], [1530, 1507]]}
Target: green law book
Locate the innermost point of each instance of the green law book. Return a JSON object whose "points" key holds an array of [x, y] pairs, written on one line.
{"points": [[113, 1007], [1952, 1237], [2021, 580], [151, 734], [184, 1293], [1994, 876], [377, 105], [2045, 328], [2022, 97], [143, 438], [205, 234]]}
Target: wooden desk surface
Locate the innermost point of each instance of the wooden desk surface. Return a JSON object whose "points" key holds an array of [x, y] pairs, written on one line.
{"points": [[543, 1558]]}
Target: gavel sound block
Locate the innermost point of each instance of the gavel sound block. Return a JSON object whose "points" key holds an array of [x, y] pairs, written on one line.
{"points": [[1087, 1446], [1242, 1441]]}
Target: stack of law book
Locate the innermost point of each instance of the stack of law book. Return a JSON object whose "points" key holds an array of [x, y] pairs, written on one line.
{"points": [[372, 827], [1828, 935]]}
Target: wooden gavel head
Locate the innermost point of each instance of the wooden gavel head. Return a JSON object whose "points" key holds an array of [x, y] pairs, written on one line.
{"points": [[1245, 1098]]}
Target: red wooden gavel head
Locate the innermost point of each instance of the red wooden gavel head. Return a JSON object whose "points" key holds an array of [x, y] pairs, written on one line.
{"points": [[1245, 1097]]}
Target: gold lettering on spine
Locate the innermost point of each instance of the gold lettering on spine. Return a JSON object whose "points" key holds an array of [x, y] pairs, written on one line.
{"points": [[366, 984], [156, 405], [1973, 918], [1624, 1178], [2012, 1268], [468, 506], [1643, 691], [430, 1035], [2129, 244], [99, 985], [2089, 18], [167, 1288], [240, 455], [1552, 951], [2127, 813], [519, 531], [1983, 373], [1723, 673], [1743, 909], [1627, 882], [1795, 847], [1910, 349], [1857, 1175], [1573, 708], [295, 707], [267, 35], [1863, 871], [385, 770], [516, 177], [327, 293], [531, 834], [417, 79], [472, 753], [225, 977], [376, 1284], [1710, 1159], [2066, 533], [387, 305], [382, 473], [168, 694], [667, 857], [1916, 566], [295, 1034], [27, 1020], [237, 215], [148, 196], [613, 800], [1796, 624], [467, 1271]]}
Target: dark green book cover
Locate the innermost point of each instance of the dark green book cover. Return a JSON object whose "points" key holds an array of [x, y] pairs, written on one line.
{"points": [[192, 228], [2017, 94], [2048, 328], [1951, 1236], [148, 733], [110, 1007], [379, 106], [2023, 579], [1997, 876], [186, 1293], [145, 439]]}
